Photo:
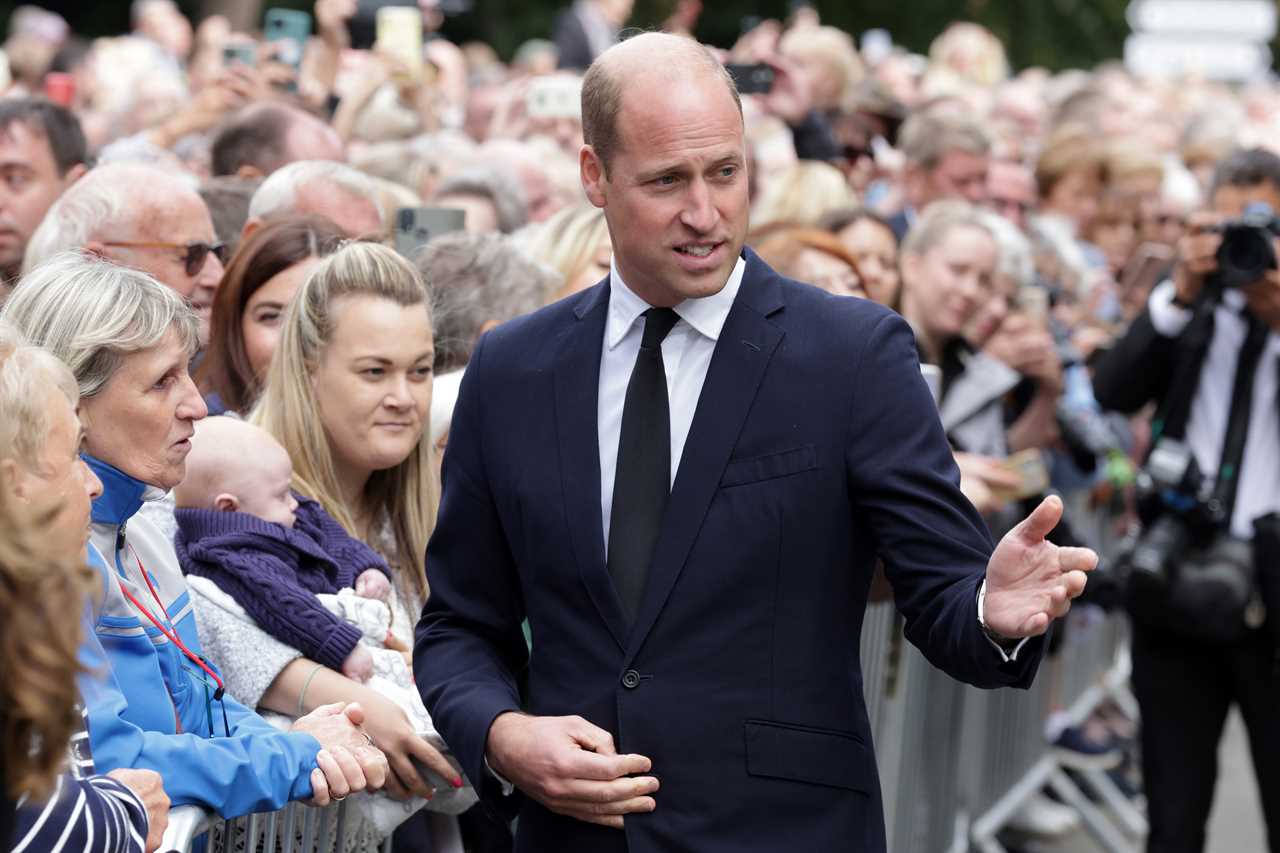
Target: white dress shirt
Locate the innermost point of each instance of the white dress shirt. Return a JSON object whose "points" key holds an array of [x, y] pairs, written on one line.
{"points": [[1258, 492], [686, 355]]}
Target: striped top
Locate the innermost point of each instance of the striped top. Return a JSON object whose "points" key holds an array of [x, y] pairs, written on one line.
{"points": [[85, 814]]}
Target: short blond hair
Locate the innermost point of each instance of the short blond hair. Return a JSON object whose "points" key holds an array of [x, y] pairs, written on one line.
{"points": [[91, 313], [803, 194], [566, 241], [26, 373], [829, 47], [1068, 149], [940, 219]]}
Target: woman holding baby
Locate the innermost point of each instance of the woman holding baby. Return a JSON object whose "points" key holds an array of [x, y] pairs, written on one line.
{"points": [[347, 395]]}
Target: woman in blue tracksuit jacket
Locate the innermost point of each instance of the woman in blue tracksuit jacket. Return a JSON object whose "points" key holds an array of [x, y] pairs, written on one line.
{"points": [[152, 707]]}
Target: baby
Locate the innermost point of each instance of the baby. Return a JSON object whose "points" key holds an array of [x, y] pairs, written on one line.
{"points": [[241, 526]]}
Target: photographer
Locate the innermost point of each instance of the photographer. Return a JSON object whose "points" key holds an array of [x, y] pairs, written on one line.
{"points": [[1206, 351]]}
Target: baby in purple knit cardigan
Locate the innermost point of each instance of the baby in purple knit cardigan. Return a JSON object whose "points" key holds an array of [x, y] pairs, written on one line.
{"points": [[241, 526]]}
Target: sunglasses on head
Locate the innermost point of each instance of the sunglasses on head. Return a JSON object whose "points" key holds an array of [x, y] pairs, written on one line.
{"points": [[194, 253]]}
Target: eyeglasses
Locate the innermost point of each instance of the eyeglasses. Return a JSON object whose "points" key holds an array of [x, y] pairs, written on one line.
{"points": [[195, 254]]}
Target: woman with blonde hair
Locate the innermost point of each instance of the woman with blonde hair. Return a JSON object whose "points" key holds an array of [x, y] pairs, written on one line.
{"points": [[802, 194], [574, 242], [348, 396], [369, 470]]}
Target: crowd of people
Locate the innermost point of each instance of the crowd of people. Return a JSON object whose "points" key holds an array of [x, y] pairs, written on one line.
{"points": [[241, 290]]}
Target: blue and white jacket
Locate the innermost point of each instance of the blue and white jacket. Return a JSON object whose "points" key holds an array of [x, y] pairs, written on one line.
{"points": [[149, 706]]}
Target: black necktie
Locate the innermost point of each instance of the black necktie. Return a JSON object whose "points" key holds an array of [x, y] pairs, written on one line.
{"points": [[642, 479]]}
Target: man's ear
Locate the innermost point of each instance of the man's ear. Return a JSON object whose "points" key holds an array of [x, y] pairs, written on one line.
{"points": [[593, 175], [95, 248], [250, 226], [13, 479], [226, 503]]}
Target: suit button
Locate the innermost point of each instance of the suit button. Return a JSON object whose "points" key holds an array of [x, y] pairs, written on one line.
{"points": [[631, 679]]}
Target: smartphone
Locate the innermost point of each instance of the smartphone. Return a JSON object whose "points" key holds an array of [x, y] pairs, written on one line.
{"points": [[287, 30], [754, 79], [362, 27], [60, 88], [1034, 302], [240, 54], [1149, 262], [417, 226], [554, 97], [399, 37]]}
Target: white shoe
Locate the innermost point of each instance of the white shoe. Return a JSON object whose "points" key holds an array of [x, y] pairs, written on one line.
{"points": [[1041, 816]]}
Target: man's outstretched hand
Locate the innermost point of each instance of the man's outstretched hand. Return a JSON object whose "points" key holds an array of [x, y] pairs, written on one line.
{"points": [[1030, 581], [571, 767]]}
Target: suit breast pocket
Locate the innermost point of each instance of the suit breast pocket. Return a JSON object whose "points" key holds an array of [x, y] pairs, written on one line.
{"points": [[770, 466]]}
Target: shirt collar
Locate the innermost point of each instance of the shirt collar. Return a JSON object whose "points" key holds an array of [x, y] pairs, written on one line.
{"points": [[706, 315]]}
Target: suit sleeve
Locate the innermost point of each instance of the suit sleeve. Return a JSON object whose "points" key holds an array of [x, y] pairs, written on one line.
{"points": [[469, 645], [906, 488], [1139, 367]]}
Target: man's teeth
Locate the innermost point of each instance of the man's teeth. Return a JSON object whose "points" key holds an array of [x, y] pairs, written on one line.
{"points": [[696, 251]]}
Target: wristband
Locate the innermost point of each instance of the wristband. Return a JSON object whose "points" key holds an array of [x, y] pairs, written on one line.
{"points": [[303, 695]]}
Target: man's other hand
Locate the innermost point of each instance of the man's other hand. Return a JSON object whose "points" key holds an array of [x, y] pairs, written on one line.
{"points": [[1030, 581], [1197, 255], [571, 767], [1263, 298]]}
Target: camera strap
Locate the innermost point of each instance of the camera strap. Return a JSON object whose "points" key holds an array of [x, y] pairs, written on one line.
{"points": [[1238, 420]]}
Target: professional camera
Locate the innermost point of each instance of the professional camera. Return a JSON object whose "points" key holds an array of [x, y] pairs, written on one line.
{"points": [[1247, 251], [1184, 572], [1173, 504]]}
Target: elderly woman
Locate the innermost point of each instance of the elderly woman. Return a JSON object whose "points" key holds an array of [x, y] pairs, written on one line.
{"points": [[127, 340], [45, 491]]}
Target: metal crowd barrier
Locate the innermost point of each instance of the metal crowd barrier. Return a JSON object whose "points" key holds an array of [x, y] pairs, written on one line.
{"points": [[294, 829], [957, 763]]}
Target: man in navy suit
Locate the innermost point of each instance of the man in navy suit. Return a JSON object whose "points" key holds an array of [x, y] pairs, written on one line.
{"points": [[682, 478]]}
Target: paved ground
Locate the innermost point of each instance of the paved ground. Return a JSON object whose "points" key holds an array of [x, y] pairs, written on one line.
{"points": [[1236, 824]]}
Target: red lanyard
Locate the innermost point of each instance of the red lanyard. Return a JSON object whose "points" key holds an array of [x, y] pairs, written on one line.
{"points": [[171, 634]]}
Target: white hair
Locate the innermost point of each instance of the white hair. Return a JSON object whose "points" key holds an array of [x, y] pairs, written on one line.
{"points": [[92, 313], [279, 192], [1016, 258], [117, 193], [27, 374]]}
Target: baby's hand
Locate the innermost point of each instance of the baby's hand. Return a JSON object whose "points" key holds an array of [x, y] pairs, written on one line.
{"points": [[373, 584], [359, 665]]}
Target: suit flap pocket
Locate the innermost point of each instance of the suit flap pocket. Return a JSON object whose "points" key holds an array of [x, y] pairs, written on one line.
{"points": [[804, 754], [770, 466]]}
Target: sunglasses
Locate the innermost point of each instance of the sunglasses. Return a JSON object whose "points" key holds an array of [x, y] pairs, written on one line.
{"points": [[194, 254]]}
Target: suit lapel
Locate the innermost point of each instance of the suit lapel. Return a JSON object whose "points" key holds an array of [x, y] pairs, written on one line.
{"points": [[742, 353], [577, 384]]}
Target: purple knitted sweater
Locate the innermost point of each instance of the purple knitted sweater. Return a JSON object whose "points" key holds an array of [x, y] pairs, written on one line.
{"points": [[274, 572]]}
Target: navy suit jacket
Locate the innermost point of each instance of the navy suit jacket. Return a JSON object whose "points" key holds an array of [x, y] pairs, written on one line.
{"points": [[815, 447]]}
